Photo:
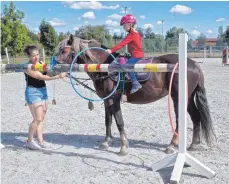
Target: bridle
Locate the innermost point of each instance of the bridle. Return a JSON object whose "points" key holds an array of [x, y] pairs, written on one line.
{"points": [[82, 83]]}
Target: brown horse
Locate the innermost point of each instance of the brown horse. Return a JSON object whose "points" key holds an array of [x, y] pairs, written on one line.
{"points": [[153, 89]]}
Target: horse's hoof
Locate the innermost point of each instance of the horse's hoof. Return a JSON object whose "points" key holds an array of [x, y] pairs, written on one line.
{"points": [[197, 147], [170, 150], [104, 146], [123, 152]]}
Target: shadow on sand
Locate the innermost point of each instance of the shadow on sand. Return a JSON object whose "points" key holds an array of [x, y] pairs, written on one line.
{"points": [[15, 141]]}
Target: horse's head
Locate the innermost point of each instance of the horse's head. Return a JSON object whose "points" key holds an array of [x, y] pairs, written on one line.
{"points": [[70, 47]]}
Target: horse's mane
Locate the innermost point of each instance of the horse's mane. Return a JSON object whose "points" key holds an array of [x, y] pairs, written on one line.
{"points": [[80, 44]]}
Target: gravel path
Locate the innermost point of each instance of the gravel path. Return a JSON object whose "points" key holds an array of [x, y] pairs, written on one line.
{"points": [[76, 133]]}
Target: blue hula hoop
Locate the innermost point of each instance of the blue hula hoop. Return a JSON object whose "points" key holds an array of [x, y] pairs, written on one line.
{"points": [[90, 99]]}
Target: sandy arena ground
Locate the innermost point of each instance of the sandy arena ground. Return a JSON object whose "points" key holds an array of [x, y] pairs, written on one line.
{"points": [[76, 132]]}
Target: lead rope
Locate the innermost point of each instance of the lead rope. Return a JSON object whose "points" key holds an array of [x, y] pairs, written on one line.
{"points": [[123, 96], [26, 83], [54, 92], [122, 80], [53, 62], [90, 104], [26, 87]]}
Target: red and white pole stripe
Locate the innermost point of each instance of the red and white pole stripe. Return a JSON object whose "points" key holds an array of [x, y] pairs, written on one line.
{"points": [[90, 67]]}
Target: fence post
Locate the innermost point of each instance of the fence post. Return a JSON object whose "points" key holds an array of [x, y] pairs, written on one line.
{"points": [[210, 51], [205, 50], [7, 56], [225, 56], [43, 53]]}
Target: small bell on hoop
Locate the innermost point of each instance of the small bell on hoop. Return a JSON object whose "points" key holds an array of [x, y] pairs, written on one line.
{"points": [[53, 101], [90, 105]]}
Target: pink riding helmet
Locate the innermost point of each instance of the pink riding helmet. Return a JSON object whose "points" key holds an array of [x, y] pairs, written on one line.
{"points": [[128, 19]]}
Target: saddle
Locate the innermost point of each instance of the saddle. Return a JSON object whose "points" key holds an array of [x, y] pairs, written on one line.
{"points": [[141, 76]]}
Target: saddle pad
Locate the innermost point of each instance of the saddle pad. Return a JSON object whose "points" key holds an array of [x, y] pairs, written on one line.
{"points": [[141, 76]]}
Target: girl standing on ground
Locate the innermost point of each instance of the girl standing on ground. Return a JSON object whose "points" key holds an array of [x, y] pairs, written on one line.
{"points": [[36, 97]]}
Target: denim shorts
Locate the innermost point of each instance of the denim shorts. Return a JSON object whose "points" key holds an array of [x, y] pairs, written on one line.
{"points": [[33, 95]]}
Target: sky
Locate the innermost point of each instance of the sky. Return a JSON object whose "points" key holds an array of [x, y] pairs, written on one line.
{"points": [[195, 17]]}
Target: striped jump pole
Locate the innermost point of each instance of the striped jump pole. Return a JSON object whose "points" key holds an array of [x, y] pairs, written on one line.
{"points": [[1, 146], [182, 157], [90, 67], [225, 60]]}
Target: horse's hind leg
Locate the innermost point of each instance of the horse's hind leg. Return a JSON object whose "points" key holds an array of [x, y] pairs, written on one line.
{"points": [[195, 117], [108, 121], [174, 142]]}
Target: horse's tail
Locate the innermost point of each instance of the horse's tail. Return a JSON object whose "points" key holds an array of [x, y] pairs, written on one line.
{"points": [[205, 116]]}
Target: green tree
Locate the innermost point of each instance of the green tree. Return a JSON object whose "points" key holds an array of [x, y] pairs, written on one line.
{"points": [[14, 34], [99, 33], [201, 39], [62, 36], [122, 35], [48, 37], [85, 32], [21, 38], [33, 36], [140, 30], [174, 32], [227, 33], [190, 43], [172, 36], [115, 36], [223, 36], [6, 33], [12, 13], [220, 32], [110, 41], [148, 33]]}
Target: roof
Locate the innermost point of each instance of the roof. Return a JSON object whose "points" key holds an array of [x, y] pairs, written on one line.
{"points": [[211, 39]]}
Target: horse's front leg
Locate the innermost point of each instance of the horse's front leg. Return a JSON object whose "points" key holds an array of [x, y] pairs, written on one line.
{"points": [[108, 121], [113, 106], [117, 112]]}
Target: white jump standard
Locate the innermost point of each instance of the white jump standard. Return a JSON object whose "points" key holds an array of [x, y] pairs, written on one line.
{"points": [[182, 157]]}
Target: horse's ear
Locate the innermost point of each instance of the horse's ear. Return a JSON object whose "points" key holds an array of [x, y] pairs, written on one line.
{"points": [[70, 40]]}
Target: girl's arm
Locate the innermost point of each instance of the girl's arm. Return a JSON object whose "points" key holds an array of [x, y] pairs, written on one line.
{"points": [[124, 42], [40, 76]]}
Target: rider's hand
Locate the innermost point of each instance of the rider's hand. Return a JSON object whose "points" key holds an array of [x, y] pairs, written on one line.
{"points": [[108, 51], [127, 55]]}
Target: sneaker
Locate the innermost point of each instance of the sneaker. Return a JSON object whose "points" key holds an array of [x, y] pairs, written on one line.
{"points": [[45, 145], [135, 87], [32, 145]]}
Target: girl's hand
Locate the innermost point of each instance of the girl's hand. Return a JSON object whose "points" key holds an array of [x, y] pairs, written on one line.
{"points": [[62, 75]]}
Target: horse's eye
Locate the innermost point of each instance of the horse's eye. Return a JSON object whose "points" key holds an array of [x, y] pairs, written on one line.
{"points": [[64, 51]]}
